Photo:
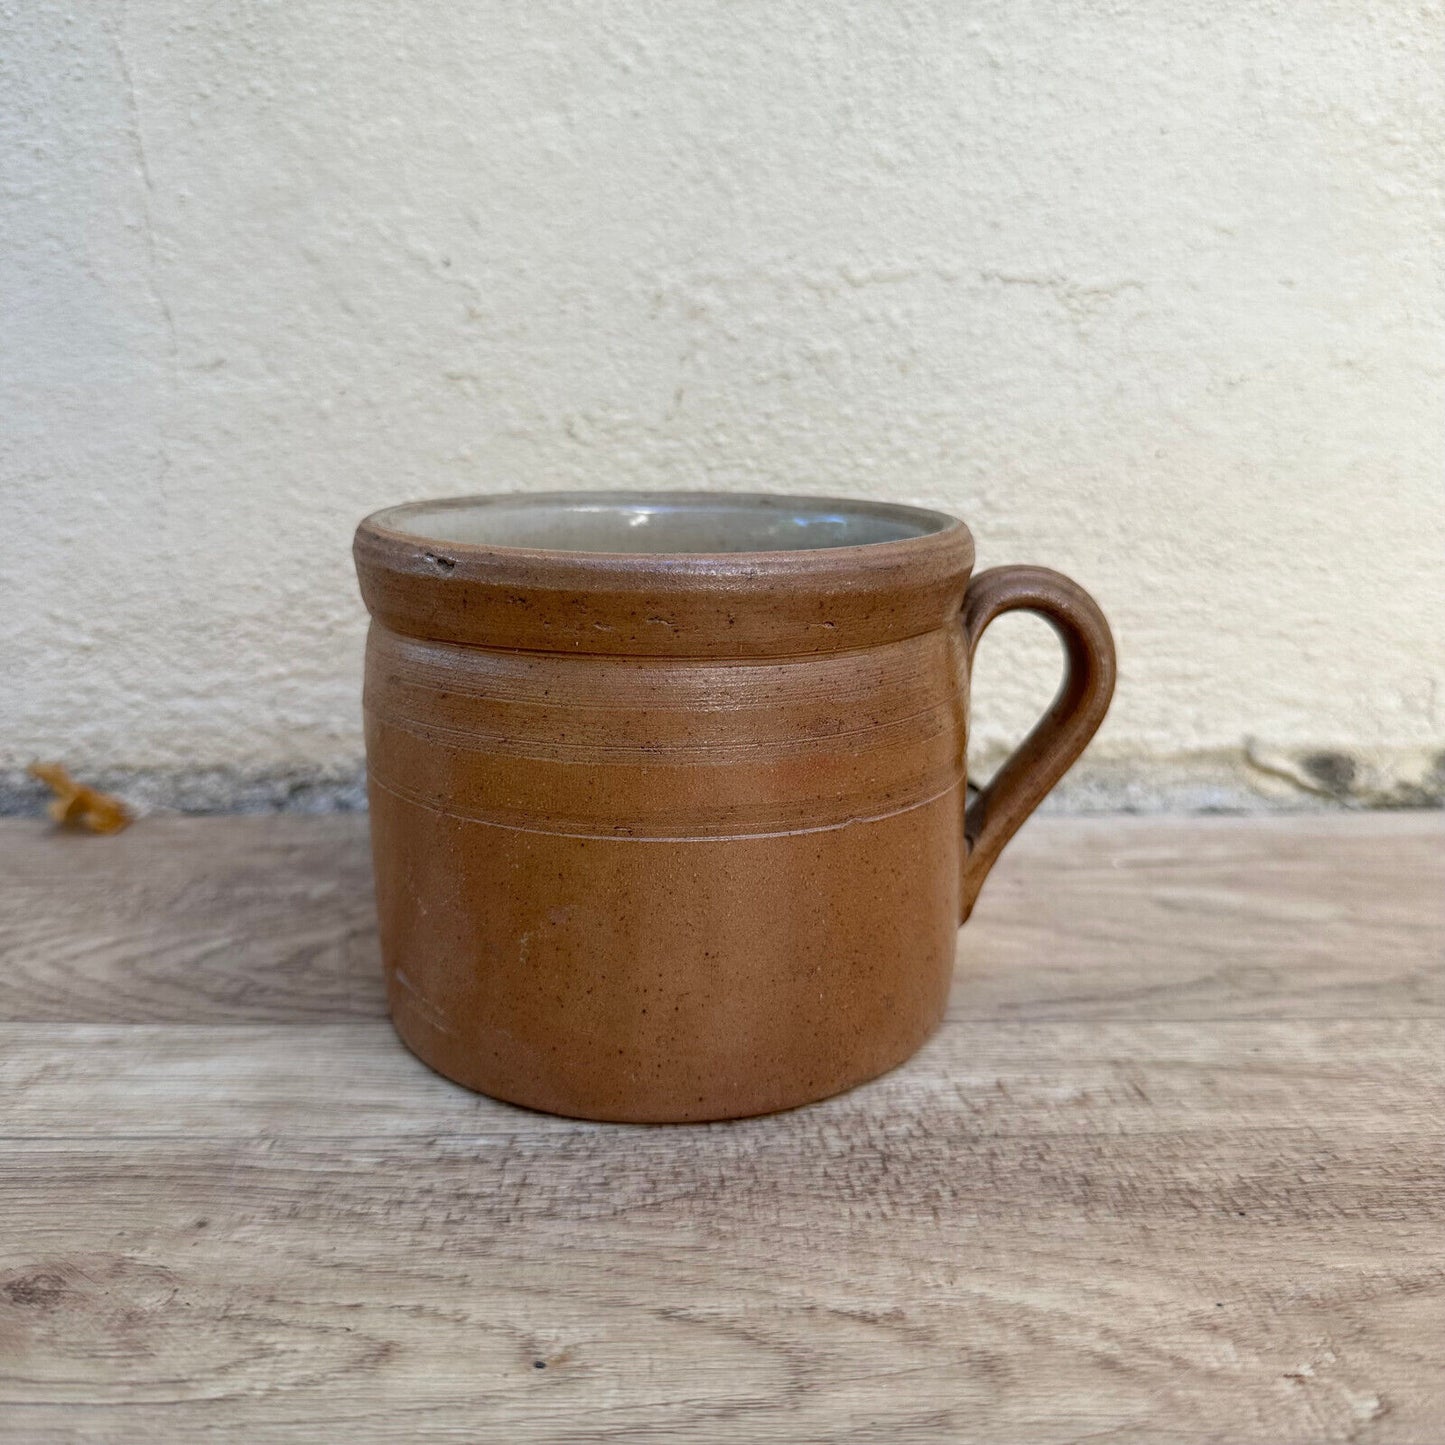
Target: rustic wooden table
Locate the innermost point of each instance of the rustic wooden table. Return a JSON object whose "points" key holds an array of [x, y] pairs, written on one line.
{"points": [[1173, 1170]]}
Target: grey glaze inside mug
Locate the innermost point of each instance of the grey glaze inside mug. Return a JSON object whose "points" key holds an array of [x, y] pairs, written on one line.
{"points": [[657, 522]]}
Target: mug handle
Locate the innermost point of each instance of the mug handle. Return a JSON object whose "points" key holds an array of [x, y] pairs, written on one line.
{"points": [[1047, 753]]}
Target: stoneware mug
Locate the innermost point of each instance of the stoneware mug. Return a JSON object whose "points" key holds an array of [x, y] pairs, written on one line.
{"points": [[667, 789]]}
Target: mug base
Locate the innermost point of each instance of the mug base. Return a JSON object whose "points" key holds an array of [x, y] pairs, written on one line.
{"points": [[463, 1066]]}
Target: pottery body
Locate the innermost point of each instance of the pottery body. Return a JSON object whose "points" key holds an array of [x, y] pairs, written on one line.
{"points": [[679, 833]]}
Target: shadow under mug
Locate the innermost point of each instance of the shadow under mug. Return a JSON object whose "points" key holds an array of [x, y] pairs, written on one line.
{"points": [[668, 789]]}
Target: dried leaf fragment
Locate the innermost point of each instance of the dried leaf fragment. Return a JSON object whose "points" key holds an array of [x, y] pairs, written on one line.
{"points": [[77, 806]]}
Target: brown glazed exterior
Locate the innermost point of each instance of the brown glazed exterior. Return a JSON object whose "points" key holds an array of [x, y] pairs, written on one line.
{"points": [[679, 836]]}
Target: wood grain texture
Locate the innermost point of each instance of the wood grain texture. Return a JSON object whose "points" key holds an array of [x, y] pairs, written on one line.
{"points": [[1174, 1171], [251, 920], [190, 920]]}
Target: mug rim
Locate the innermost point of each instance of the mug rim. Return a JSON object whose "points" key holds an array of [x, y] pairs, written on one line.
{"points": [[931, 524], [786, 601]]}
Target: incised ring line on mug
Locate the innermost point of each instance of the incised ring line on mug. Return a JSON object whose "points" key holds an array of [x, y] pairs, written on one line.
{"points": [[667, 789]]}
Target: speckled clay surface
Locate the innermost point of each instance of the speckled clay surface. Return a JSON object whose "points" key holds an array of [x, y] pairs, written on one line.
{"points": [[680, 835]]}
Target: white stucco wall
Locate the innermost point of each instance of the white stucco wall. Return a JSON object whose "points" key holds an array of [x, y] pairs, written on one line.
{"points": [[1144, 290]]}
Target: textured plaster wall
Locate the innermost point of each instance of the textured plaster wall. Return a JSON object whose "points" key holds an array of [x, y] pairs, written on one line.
{"points": [[1148, 292]]}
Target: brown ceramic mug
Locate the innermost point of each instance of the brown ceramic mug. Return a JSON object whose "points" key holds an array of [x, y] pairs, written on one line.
{"points": [[667, 789]]}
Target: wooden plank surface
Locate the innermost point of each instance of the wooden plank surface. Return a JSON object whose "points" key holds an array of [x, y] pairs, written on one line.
{"points": [[1173, 1170]]}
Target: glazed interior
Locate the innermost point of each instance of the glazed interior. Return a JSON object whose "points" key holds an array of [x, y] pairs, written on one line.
{"points": [[654, 522]]}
